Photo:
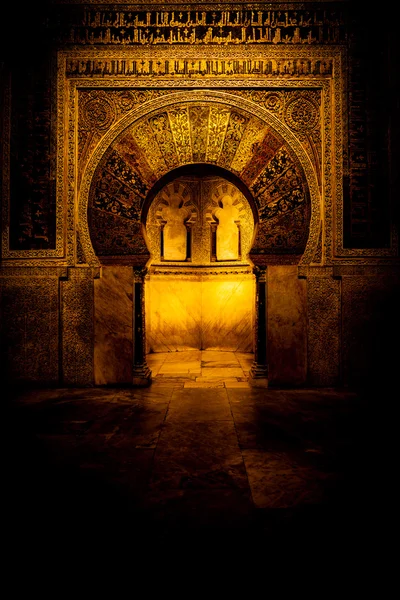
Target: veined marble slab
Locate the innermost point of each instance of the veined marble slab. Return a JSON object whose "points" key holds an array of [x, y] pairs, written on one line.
{"points": [[216, 379], [224, 372], [199, 312], [173, 314], [204, 384], [113, 318], [184, 356], [180, 367], [228, 314], [287, 326], [212, 369]]}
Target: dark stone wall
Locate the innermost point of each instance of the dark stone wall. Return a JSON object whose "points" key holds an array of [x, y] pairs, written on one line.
{"points": [[372, 177]]}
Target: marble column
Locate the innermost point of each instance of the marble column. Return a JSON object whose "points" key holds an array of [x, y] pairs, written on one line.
{"points": [[141, 371], [259, 370]]}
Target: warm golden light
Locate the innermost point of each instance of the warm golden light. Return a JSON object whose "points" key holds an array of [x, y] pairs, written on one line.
{"points": [[200, 291], [199, 312]]}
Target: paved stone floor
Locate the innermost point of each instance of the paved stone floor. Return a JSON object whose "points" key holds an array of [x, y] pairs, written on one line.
{"points": [[201, 368], [195, 458]]}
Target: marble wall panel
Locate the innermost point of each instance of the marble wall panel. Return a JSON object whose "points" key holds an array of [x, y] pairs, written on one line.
{"points": [[113, 326], [228, 305], [29, 339], [287, 326], [77, 327], [200, 312], [173, 313], [324, 315]]}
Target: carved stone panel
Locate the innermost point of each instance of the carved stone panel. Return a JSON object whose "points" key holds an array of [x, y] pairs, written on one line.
{"points": [[29, 329], [324, 314], [77, 327]]}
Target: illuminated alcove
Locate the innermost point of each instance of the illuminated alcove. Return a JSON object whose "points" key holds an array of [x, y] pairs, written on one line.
{"points": [[183, 227], [200, 288]]}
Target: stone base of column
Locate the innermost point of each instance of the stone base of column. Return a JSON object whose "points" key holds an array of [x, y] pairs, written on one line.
{"points": [[258, 375], [141, 375]]}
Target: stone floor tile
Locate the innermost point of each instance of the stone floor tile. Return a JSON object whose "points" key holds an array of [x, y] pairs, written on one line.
{"points": [[183, 460], [198, 455], [225, 372], [267, 436], [192, 405], [251, 395], [151, 394], [278, 481], [180, 367], [220, 364], [203, 384], [216, 379], [178, 377], [170, 382], [143, 424], [234, 383], [157, 356], [185, 356], [23, 395]]}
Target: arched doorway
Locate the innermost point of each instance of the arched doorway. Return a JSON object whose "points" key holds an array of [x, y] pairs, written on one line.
{"points": [[200, 286], [250, 149]]}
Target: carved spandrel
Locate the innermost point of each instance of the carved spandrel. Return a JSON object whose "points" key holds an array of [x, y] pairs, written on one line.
{"points": [[285, 234], [300, 110], [99, 109]]}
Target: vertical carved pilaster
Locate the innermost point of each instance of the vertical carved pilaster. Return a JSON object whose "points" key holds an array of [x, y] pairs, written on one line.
{"points": [[141, 371], [77, 318], [259, 370]]}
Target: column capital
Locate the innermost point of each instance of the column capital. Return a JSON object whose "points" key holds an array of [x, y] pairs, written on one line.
{"points": [[139, 274], [260, 272]]}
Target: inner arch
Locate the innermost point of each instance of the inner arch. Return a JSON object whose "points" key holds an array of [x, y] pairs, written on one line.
{"points": [[199, 170], [200, 286]]}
